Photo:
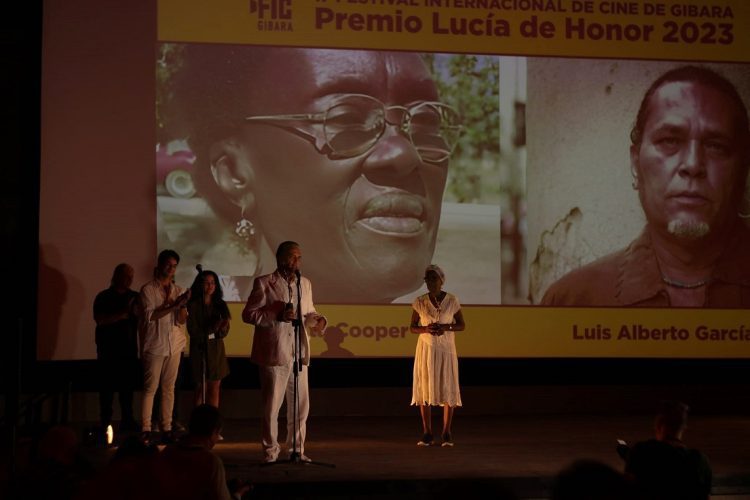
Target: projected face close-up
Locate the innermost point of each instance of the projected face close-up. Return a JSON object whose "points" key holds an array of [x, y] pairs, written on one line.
{"points": [[347, 155], [689, 163]]}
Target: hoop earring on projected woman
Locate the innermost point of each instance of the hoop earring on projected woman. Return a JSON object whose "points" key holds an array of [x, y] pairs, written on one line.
{"points": [[244, 228], [235, 186], [235, 180], [247, 235]]}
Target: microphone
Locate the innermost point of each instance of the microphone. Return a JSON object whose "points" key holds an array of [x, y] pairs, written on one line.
{"points": [[199, 268], [289, 307], [296, 322]]}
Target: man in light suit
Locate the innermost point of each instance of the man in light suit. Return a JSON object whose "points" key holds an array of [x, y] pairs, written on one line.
{"points": [[272, 308]]}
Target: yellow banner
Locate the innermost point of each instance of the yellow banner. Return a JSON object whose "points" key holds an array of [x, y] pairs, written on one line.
{"points": [[668, 29], [537, 332]]}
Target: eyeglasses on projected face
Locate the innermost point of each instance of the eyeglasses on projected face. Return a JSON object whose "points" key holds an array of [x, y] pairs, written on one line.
{"points": [[354, 123]]}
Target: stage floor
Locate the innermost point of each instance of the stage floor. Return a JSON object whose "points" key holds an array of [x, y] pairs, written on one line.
{"points": [[522, 454], [501, 457]]}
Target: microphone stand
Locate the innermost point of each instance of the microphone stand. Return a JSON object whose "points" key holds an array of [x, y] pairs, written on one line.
{"points": [[205, 368], [295, 457], [204, 360]]}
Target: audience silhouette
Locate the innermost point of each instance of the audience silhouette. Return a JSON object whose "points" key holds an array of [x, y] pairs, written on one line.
{"points": [[664, 467]]}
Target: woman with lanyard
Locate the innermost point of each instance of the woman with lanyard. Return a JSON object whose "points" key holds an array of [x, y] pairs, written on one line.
{"points": [[208, 324]]}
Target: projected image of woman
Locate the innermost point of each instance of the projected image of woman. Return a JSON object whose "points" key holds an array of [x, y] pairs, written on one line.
{"points": [[208, 324], [435, 317], [345, 151]]}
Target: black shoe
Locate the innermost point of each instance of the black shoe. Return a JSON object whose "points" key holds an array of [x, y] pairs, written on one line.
{"points": [[623, 450], [426, 440], [178, 427], [169, 437], [447, 439]]}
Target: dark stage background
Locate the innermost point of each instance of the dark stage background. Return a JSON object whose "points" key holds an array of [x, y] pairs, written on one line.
{"points": [[712, 386]]}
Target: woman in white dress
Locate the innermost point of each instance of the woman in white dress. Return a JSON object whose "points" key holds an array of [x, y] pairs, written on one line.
{"points": [[436, 316]]}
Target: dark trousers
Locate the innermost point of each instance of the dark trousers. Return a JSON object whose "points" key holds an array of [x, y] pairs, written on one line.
{"points": [[120, 376]]}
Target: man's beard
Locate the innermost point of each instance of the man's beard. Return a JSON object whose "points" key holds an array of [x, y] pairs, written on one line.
{"points": [[688, 229]]}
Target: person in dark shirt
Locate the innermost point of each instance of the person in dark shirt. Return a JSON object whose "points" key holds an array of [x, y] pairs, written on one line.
{"points": [[586, 479], [664, 467], [115, 314], [192, 469]]}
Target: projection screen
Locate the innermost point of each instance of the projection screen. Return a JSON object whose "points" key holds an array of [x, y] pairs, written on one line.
{"points": [[214, 129]]}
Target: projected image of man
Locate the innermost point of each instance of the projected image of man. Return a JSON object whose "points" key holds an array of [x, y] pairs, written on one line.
{"points": [[690, 153]]}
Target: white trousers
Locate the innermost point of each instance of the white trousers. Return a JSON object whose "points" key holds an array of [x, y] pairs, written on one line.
{"points": [[159, 371], [276, 385]]}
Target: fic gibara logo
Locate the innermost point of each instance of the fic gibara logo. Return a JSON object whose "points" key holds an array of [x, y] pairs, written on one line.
{"points": [[273, 15]]}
